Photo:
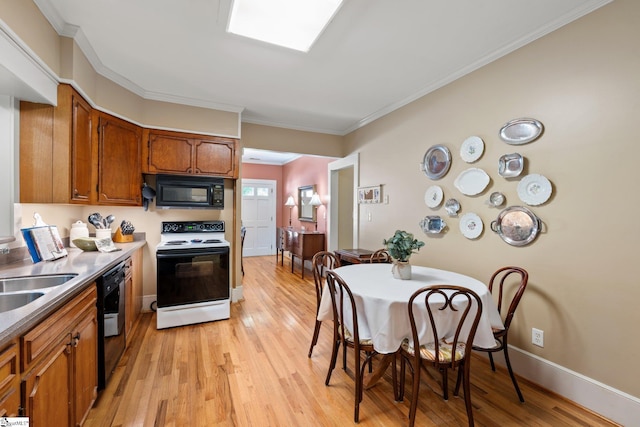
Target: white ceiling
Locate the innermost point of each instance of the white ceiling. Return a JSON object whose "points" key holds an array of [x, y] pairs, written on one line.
{"points": [[374, 57]]}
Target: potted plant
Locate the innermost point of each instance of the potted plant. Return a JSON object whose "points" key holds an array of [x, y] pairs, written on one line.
{"points": [[401, 246]]}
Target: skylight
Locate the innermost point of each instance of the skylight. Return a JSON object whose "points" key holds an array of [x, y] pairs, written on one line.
{"points": [[295, 24]]}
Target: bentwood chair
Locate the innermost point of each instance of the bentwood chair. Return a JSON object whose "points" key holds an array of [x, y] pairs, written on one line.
{"points": [[342, 297], [381, 255], [322, 262], [520, 278], [446, 349]]}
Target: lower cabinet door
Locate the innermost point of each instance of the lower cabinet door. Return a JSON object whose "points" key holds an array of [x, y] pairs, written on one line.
{"points": [[46, 390], [85, 342]]}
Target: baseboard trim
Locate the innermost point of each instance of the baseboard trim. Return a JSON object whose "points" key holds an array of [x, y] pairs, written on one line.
{"points": [[605, 400]]}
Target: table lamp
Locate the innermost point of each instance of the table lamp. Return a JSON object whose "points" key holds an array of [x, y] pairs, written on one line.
{"points": [[315, 202], [291, 203]]}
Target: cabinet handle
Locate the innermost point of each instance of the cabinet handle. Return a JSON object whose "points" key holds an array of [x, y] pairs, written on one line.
{"points": [[76, 339]]}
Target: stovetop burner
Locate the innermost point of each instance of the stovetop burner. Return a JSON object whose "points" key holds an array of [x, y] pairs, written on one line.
{"points": [[175, 242]]}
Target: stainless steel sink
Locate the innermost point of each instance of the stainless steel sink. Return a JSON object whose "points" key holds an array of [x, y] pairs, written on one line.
{"points": [[29, 283], [12, 301]]}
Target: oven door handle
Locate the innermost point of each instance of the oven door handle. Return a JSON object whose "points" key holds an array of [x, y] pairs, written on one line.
{"points": [[160, 254]]}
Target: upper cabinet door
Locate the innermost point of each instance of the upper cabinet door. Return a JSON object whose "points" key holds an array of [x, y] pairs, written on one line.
{"points": [[81, 153], [215, 157], [169, 153], [119, 162]]}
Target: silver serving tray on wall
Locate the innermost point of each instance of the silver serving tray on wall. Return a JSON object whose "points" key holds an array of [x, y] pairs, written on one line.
{"points": [[432, 224], [436, 161], [517, 225], [521, 131]]}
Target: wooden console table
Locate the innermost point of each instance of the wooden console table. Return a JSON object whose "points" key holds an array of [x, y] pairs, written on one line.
{"points": [[300, 243]]}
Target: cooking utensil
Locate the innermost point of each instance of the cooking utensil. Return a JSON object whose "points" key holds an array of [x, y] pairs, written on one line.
{"points": [[110, 219], [148, 194], [95, 220]]}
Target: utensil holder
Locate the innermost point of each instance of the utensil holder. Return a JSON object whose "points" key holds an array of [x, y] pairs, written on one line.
{"points": [[122, 238], [103, 233]]}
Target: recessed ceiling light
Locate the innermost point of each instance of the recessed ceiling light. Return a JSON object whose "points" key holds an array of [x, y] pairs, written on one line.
{"points": [[295, 24]]}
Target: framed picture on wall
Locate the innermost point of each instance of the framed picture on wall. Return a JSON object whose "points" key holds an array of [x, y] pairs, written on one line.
{"points": [[369, 194]]}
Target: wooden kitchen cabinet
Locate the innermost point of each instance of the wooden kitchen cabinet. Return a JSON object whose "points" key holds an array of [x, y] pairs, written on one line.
{"points": [[72, 153], [133, 292], [300, 243], [59, 361], [56, 152], [179, 153], [119, 174], [9, 380]]}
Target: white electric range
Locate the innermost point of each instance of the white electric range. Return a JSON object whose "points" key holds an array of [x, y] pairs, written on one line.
{"points": [[192, 273]]}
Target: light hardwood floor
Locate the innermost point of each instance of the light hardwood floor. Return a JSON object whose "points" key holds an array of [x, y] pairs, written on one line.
{"points": [[253, 370]]}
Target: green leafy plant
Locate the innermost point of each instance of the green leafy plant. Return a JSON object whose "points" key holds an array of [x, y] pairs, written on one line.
{"points": [[402, 245]]}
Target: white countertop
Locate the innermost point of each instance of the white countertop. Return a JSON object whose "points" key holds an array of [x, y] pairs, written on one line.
{"points": [[87, 265]]}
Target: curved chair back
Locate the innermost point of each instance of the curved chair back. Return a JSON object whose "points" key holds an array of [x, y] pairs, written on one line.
{"points": [[446, 300], [500, 278], [322, 262], [243, 233], [381, 256]]}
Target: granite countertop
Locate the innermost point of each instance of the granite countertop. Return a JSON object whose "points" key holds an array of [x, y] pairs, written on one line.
{"points": [[87, 265]]}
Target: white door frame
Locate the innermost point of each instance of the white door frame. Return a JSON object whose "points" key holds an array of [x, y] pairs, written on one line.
{"points": [[352, 160]]}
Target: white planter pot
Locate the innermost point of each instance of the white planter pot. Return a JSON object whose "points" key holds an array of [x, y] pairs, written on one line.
{"points": [[401, 270]]}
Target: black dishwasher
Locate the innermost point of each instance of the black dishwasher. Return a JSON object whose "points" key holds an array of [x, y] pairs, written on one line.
{"points": [[111, 307]]}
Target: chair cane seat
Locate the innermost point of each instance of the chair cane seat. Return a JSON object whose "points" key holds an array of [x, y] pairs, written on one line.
{"points": [[349, 338], [428, 351]]}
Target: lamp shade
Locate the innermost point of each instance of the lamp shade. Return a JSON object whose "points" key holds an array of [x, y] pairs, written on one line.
{"points": [[315, 200], [290, 201]]}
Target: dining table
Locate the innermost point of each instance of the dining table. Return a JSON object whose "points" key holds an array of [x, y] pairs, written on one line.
{"points": [[382, 308]]}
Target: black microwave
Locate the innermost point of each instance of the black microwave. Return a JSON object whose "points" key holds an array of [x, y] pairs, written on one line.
{"points": [[189, 192]]}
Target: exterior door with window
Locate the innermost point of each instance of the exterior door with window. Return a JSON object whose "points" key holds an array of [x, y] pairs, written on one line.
{"points": [[258, 216]]}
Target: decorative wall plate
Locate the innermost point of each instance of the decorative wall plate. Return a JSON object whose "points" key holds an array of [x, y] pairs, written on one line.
{"points": [[436, 162], [433, 196], [534, 189], [510, 165], [471, 225], [472, 149], [521, 131], [472, 181], [517, 225]]}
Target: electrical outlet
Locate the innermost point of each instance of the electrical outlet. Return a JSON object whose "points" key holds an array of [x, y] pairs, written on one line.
{"points": [[537, 337]]}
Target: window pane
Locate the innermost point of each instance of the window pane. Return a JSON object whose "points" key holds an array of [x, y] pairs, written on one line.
{"points": [[263, 192], [248, 191]]}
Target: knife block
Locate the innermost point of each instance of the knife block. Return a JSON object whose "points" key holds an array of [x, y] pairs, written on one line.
{"points": [[122, 238]]}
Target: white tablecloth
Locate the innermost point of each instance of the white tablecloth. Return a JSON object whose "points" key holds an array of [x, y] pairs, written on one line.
{"points": [[381, 301]]}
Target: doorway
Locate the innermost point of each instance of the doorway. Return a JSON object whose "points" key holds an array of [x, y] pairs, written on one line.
{"points": [[343, 216], [258, 216]]}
